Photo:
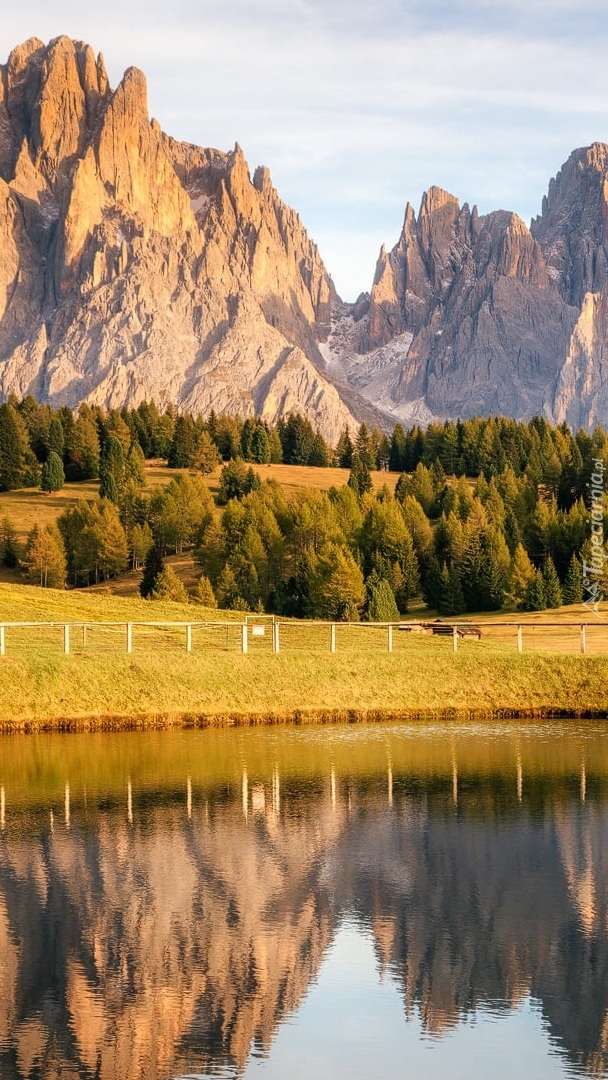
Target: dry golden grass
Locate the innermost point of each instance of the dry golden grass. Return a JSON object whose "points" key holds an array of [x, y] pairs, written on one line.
{"points": [[294, 478], [27, 507], [421, 677]]}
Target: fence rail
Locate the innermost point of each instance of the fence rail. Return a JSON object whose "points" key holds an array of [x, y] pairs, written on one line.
{"points": [[267, 633]]}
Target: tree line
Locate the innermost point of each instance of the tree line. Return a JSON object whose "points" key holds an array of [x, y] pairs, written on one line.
{"points": [[485, 513]]}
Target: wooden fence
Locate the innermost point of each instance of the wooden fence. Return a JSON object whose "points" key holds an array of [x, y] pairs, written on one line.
{"points": [[267, 633]]}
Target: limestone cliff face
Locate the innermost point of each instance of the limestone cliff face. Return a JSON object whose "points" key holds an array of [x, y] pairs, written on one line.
{"points": [[471, 315], [487, 328], [131, 264], [581, 397], [573, 226]]}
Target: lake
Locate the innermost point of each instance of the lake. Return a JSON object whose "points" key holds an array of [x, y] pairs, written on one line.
{"points": [[411, 900]]}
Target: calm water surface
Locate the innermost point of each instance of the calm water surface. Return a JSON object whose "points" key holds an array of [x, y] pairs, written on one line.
{"points": [[402, 901]]}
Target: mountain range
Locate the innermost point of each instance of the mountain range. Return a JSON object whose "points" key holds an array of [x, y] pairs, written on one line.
{"points": [[134, 266]]}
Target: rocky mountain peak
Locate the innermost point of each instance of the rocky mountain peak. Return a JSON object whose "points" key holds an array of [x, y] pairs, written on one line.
{"points": [[134, 266], [573, 226]]}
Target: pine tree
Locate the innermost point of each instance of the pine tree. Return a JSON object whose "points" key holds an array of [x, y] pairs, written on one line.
{"points": [[553, 589], [169, 587], [183, 445], [9, 547], [451, 600], [141, 542], [153, 568], [53, 476], [43, 561], [260, 446], [135, 465], [396, 461], [573, 585], [344, 450], [535, 600], [204, 593], [381, 605], [337, 589], [364, 447], [111, 470], [83, 448], [360, 479], [56, 438], [521, 573], [432, 584], [14, 448]]}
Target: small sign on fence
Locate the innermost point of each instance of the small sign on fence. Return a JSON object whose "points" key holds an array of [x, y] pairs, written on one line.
{"points": [[258, 630]]}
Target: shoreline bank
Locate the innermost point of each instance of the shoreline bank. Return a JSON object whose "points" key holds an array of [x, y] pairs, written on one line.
{"points": [[320, 717]]}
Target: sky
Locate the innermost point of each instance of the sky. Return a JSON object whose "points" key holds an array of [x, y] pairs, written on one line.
{"points": [[358, 106]]}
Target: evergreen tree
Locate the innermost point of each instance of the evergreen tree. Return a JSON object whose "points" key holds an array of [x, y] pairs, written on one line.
{"points": [[56, 438], [9, 547], [182, 452], [534, 599], [492, 578], [451, 601], [53, 477], [344, 450], [153, 568], [573, 585], [204, 593], [396, 461], [111, 470], [168, 586], [337, 589], [82, 447], [43, 561], [449, 452], [141, 542], [15, 453], [260, 445], [521, 573], [381, 605], [297, 439], [432, 585], [553, 590], [319, 452], [360, 479], [227, 591], [135, 465], [236, 480], [364, 447]]}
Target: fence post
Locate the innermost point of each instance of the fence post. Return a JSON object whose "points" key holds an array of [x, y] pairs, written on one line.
{"points": [[583, 638], [66, 638], [84, 637], [455, 637], [520, 638], [2, 641], [244, 643], [129, 637], [276, 643], [390, 639], [332, 637], [189, 638]]}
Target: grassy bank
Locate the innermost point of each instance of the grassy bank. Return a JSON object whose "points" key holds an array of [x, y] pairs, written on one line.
{"points": [[160, 683], [227, 688]]}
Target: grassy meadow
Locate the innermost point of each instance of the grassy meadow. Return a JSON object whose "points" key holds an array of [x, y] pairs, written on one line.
{"points": [[161, 683]]}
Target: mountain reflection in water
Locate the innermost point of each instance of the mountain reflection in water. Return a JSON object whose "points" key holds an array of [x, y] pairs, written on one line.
{"points": [[167, 900]]}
